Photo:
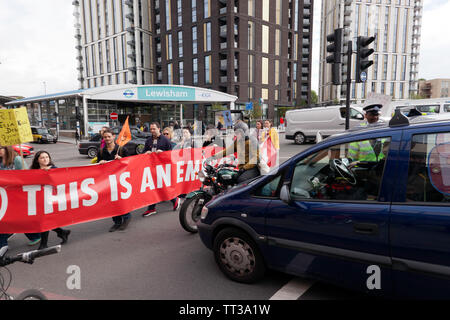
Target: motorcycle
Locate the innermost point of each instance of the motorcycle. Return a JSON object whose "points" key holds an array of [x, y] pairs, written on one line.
{"points": [[214, 181]]}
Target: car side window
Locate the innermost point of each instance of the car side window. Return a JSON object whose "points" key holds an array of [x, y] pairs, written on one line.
{"points": [[429, 168], [350, 171], [269, 189]]}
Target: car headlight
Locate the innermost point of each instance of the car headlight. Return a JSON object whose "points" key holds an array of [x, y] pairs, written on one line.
{"points": [[204, 212]]}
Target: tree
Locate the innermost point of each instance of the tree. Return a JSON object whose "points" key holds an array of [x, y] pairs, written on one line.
{"points": [[256, 112], [314, 97]]}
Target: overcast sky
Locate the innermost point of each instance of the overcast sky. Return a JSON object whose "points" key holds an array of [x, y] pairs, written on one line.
{"points": [[37, 45]]}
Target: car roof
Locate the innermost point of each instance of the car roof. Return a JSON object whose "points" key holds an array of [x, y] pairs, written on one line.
{"points": [[414, 122]]}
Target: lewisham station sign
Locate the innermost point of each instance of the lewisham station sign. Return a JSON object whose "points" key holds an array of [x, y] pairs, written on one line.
{"points": [[159, 93]]}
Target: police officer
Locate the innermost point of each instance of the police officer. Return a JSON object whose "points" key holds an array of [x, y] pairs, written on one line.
{"points": [[368, 150]]}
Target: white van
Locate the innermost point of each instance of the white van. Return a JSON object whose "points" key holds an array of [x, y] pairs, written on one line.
{"points": [[430, 107], [302, 125]]}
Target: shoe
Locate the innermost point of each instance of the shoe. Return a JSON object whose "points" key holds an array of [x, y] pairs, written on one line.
{"points": [[177, 204], [33, 242], [114, 227], [11, 236], [124, 224], [64, 235], [42, 246], [149, 213]]}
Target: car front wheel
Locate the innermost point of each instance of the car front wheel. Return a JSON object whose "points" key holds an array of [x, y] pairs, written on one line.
{"points": [[299, 138], [92, 153], [238, 256]]}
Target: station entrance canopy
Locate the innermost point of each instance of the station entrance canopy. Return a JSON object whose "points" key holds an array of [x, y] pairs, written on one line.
{"points": [[153, 94]]}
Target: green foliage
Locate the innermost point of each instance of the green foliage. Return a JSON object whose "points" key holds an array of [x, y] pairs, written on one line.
{"points": [[314, 97], [257, 111]]}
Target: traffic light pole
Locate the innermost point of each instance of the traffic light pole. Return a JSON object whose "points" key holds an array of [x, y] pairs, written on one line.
{"points": [[349, 83]]}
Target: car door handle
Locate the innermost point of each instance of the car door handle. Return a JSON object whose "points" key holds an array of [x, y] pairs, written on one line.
{"points": [[365, 228], [341, 124]]}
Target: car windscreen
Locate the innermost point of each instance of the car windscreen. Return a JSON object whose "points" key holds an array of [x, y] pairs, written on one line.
{"points": [[42, 131]]}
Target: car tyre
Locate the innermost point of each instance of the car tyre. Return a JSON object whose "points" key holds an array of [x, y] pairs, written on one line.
{"points": [[299, 138], [238, 256], [92, 153]]}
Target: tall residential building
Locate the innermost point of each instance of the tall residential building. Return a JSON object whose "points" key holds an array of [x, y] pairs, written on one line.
{"points": [[396, 25], [435, 88], [114, 42], [254, 49]]}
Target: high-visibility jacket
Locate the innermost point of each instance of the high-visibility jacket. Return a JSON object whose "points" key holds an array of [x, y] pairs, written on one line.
{"points": [[273, 135], [363, 151]]}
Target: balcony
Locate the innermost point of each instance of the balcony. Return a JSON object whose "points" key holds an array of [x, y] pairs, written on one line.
{"points": [[223, 79], [223, 31], [223, 65], [223, 45]]}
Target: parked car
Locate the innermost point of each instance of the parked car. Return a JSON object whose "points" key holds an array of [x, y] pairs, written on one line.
{"points": [[137, 132], [382, 227], [302, 125], [27, 150], [43, 135], [91, 147]]}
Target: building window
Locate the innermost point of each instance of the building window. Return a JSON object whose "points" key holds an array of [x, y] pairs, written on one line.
{"points": [[208, 69], [251, 71], [265, 39], [277, 42], [265, 10], [277, 73], [207, 36], [195, 70], [375, 67], [251, 8], [180, 44], [265, 70], [108, 61], [251, 92], [169, 74], [194, 40], [194, 10], [394, 67], [179, 13], [251, 35], [207, 8], [168, 16], [265, 93], [385, 66], [278, 13], [86, 56], [169, 47], [405, 31], [181, 71]]}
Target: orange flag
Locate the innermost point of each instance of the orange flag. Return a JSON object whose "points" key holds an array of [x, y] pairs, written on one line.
{"points": [[124, 135]]}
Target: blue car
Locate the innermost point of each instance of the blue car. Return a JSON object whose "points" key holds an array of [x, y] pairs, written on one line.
{"points": [[379, 225]]}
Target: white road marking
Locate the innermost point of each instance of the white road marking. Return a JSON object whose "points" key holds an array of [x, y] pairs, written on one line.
{"points": [[293, 290]]}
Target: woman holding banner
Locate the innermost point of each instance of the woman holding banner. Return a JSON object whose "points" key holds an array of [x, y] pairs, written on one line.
{"points": [[42, 160], [9, 160], [110, 152]]}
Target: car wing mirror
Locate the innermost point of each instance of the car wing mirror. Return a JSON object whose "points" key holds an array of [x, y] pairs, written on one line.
{"points": [[285, 195]]}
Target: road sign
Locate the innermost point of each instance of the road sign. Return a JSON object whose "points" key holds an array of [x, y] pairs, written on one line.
{"points": [[363, 76], [249, 106], [114, 116]]}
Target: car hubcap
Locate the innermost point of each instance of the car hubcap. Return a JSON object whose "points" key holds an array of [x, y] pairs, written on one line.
{"points": [[237, 256], [299, 138]]}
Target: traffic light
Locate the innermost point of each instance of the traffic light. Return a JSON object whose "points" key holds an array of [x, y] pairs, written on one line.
{"points": [[362, 57], [335, 48]]}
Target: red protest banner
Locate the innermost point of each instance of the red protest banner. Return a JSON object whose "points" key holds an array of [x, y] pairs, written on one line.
{"points": [[38, 200]]}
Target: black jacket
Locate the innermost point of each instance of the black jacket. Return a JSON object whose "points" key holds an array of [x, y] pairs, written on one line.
{"points": [[162, 144], [104, 154]]}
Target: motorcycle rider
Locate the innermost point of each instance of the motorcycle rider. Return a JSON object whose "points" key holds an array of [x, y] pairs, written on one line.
{"points": [[246, 147]]}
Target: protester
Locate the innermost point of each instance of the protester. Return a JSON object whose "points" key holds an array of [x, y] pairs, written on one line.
{"points": [[247, 151], [9, 160], [257, 132], [110, 152], [157, 142], [219, 125], [42, 160], [272, 132], [212, 137], [168, 133], [186, 140]]}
